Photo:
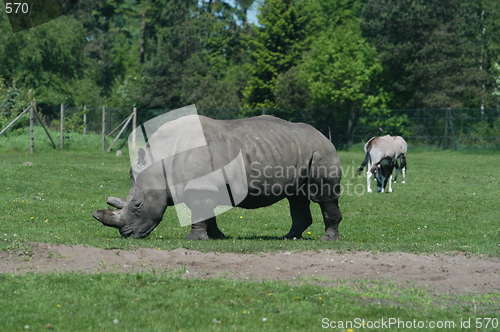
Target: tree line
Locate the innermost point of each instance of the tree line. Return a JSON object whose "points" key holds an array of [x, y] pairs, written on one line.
{"points": [[320, 60]]}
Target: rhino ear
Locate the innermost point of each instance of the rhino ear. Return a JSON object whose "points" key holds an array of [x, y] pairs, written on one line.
{"points": [[141, 157]]}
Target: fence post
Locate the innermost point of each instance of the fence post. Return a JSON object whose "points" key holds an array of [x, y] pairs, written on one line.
{"points": [[134, 125], [452, 131], [44, 128], [62, 126], [121, 131], [103, 128], [84, 119], [448, 126], [32, 133]]}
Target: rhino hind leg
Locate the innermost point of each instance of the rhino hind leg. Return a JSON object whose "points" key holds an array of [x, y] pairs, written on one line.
{"points": [[301, 216], [332, 217]]}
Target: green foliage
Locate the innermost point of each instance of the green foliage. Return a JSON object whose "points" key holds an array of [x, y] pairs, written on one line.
{"points": [[341, 67], [277, 46], [291, 91], [9, 98], [126, 93], [87, 93], [435, 54], [44, 60], [12, 103], [484, 133], [75, 122], [376, 122], [342, 70], [109, 47]]}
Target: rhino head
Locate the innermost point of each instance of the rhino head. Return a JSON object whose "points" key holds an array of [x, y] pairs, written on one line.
{"points": [[136, 217], [139, 214]]}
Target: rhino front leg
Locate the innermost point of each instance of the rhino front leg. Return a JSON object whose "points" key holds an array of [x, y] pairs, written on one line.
{"points": [[213, 230], [301, 216], [204, 230], [332, 217], [198, 231]]}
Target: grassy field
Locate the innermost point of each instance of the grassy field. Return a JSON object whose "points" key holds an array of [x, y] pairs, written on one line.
{"points": [[166, 302], [449, 204]]}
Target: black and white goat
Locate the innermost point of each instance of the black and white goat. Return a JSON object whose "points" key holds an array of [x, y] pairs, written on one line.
{"points": [[382, 155]]}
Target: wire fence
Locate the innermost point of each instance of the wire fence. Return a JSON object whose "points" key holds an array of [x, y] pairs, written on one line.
{"points": [[446, 128]]}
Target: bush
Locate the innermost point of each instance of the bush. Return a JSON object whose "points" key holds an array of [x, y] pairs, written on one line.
{"points": [[12, 104], [485, 133]]}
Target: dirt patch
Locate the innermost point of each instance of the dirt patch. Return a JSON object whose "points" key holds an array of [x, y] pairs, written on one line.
{"points": [[449, 274]]}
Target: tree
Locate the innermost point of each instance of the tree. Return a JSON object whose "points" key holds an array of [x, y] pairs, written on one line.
{"points": [[111, 48], [277, 46], [291, 91], [217, 82], [435, 54], [12, 101], [193, 52], [44, 59], [342, 72], [242, 7]]}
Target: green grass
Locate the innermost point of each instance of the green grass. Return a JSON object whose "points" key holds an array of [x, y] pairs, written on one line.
{"points": [[169, 302]]}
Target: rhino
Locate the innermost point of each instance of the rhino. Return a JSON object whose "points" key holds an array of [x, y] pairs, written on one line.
{"points": [[275, 159]]}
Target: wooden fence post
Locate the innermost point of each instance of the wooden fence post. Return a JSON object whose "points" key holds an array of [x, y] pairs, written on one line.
{"points": [[44, 128], [84, 120], [103, 145], [121, 131], [32, 128], [62, 127], [134, 125], [14, 121]]}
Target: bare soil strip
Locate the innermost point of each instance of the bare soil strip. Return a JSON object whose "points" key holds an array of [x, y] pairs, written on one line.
{"points": [[443, 273]]}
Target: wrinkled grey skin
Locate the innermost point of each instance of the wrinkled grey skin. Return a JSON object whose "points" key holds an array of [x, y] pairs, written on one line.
{"points": [[382, 155], [268, 145]]}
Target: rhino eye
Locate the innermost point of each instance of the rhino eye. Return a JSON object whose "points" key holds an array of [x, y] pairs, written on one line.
{"points": [[136, 205]]}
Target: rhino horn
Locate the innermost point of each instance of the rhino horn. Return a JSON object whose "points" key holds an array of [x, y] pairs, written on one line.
{"points": [[108, 217], [116, 202]]}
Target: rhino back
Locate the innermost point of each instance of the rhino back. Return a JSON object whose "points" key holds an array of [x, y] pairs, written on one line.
{"points": [[270, 141]]}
